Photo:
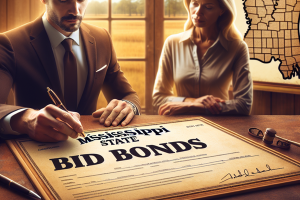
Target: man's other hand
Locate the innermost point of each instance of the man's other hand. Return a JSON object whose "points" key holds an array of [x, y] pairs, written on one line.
{"points": [[50, 124], [114, 113]]}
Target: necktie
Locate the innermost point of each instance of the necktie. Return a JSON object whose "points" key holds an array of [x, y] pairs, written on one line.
{"points": [[70, 75]]}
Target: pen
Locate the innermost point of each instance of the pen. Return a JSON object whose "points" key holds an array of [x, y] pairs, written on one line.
{"points": [[17, 187], [59, 104]]}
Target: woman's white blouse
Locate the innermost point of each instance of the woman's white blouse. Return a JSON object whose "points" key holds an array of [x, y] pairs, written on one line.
{"points": [[223, 62]]}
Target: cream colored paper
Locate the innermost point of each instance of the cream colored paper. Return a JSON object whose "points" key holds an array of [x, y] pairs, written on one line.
{"points": [[215, 159]]}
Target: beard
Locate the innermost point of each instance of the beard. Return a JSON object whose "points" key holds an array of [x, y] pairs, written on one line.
{"points": [[69, 27]]}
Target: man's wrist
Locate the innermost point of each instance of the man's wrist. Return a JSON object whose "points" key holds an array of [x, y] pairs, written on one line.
{"points": [[5, 123], [19, 121], [134, 108], [16, 122]]}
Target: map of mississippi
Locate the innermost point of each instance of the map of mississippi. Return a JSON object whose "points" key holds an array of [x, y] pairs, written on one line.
{"points": [[273, 33]]}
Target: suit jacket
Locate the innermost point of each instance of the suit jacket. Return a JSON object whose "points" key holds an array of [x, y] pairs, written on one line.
{"points": [[27, 64]]}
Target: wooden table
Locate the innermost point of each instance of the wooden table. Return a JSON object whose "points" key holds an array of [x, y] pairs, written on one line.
{"points": [[287, 126]]}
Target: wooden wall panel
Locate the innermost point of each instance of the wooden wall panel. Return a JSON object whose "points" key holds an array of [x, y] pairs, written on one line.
{"points": [[150, 70], [37, 8], [3, 16], [261, 103], [158, 38], [159, 30], [297, 104], [283, 104], [18, 13]]}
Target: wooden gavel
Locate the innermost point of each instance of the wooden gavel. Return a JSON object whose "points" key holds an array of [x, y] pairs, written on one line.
{"points": [[270, 134]]}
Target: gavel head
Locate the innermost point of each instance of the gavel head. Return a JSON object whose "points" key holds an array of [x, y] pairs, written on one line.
{"points": [[269, 136]]}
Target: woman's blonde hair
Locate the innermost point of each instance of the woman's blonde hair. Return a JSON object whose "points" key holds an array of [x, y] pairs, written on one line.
{"points": [[225, 22]]}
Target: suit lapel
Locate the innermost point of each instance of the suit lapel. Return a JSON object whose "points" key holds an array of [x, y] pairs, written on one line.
{"points": [[43, 49], [41, 43], [90, 52]]}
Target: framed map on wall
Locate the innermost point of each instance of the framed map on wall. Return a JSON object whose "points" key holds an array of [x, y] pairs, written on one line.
{"points": [[271, 31]]}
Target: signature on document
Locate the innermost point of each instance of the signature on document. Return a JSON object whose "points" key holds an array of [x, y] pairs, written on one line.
{"points": [[246, 173]]}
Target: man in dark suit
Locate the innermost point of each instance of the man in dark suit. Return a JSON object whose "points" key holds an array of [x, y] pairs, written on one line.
{"points": [[32, 58]]}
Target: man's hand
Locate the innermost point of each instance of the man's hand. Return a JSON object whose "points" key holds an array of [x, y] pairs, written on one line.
{"points": [[50, 124], [114, 113]]}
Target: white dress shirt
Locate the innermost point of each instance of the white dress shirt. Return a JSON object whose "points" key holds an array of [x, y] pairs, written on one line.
{"points": [[224, 62], [56, 38]]}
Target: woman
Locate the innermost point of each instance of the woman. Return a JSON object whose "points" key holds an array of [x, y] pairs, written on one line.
{"points": [[202, 62]]}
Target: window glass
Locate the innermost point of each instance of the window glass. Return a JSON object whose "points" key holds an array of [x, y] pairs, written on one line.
{"points": [[128, 8], [129, 38], [174, 8], [135, 74], [101, 103], [100, 23], [97, 9], [173, 27]]}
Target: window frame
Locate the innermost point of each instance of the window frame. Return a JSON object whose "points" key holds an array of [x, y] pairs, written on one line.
{"points": [[149, 47]]}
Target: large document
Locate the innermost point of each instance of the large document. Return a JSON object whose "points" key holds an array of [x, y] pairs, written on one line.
{"points": [[188, 158]]}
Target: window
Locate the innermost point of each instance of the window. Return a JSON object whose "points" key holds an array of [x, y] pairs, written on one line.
{"points": [[175, 16], [138, 32], [126, 22]]}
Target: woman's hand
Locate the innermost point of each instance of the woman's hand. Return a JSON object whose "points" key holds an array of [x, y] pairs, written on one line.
{"points": [[211, 103], [179, 108], [192, 106]]}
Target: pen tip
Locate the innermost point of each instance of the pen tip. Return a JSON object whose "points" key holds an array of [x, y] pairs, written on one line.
{"points": [[82, 134], [34, 195]]}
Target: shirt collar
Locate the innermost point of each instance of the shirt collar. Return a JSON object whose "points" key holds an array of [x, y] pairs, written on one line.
{"points": [[189, 35], [57, 37]]}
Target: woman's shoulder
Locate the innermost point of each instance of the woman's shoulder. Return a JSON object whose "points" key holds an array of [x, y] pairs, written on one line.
{"points": [[176, 38], [237, 43]]}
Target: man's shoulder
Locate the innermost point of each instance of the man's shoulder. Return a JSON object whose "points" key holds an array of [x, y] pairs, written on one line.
{"points": [[20, 29], [23, 30], [96, 34]]}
